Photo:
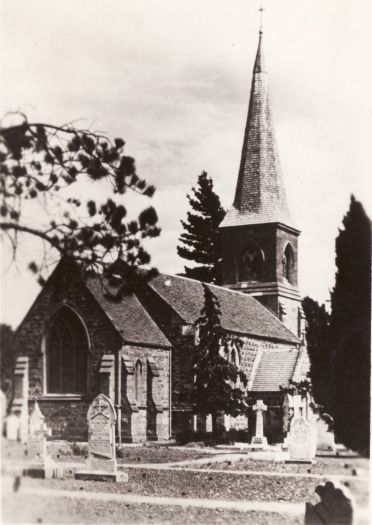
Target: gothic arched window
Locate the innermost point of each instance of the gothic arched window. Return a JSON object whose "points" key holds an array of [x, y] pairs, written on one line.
{"points": [[251, 263], [137, 379], [66, 354], [288, 263]]}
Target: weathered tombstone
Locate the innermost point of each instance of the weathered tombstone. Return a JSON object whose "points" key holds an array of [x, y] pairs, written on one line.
{"points": [[326, 438], [301, 441], [12, 426], [259, 440], [335, 507], [37, 443], [39, 464], [102, 464]]}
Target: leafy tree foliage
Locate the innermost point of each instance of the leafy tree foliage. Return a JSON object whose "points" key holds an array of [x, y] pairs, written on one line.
{"points": [[7, 359], [317, 335], [350, 331], [201, 240], [217, 381], [42, 166]]}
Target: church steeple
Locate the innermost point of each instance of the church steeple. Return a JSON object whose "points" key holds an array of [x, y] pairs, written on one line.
{"points": [[258, 238], [260, 195]]}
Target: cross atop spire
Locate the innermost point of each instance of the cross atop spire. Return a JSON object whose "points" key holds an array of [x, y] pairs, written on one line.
{"points": [[260, 196], [261, 10]]}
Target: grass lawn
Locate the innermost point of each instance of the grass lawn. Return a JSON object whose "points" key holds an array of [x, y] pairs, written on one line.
{"points": [[177, 483], [323, 466]]}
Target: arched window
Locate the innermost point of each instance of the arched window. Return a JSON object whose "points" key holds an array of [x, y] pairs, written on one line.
{"points": [[137, 379], [288, 263], [251, 263], [66, 354]]}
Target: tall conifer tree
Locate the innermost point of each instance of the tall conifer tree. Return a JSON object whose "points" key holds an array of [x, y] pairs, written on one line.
{"points": [[317, 335], [350, 331], [217, 380], [200, 241]]}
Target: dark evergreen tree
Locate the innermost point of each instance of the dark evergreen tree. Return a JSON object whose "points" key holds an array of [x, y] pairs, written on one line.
{"points": [[317, 334], [7, 359], [201, 240], [350, 331], [216, 379]]}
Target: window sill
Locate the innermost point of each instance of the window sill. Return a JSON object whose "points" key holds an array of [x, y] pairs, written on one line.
{"points": [[63, 397]]}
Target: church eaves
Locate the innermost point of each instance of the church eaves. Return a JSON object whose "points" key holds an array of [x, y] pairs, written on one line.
{"points": [[260, 196]]}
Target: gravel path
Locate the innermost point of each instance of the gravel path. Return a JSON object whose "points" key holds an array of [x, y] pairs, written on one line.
{"points": [[37, 509]]}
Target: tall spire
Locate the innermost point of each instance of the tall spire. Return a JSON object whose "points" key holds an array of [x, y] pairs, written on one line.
{"points": [[260, 196]]}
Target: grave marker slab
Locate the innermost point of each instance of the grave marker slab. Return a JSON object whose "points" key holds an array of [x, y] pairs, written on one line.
{"points": [[301, 441], [259, 439], [12, 426], [102, 464], [39, 464]]}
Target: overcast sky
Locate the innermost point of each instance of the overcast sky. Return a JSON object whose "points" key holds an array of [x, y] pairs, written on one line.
{"points": [[172, 77]]}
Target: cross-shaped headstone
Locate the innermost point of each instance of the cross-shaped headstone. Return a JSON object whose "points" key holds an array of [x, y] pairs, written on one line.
{"points": [[259, 407]]}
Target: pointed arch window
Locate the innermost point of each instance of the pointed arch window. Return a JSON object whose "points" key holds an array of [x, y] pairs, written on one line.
{"points": [[137, 379], [66, 354], [251, 263], [288, 263]]}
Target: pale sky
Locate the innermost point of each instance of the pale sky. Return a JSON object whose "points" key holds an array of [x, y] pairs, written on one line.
{"points": [[172, 77]]}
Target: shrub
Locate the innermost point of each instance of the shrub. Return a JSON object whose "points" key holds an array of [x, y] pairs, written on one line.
{"points": [[79, 450]]}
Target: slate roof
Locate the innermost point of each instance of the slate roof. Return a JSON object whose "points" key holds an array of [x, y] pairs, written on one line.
{"points": [[128, 316], [260, 195], [275, 368], [239, 312]]}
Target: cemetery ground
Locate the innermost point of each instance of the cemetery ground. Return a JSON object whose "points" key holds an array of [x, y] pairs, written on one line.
{"points": [[172, 484]]}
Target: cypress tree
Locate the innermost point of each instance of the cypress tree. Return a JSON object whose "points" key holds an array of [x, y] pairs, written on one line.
{"points": [[216, 387], [350, 331], [317, 335], [200, 241]]}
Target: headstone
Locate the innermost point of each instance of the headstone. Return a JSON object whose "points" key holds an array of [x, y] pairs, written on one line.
{"points": [[102, 464], [12, 425], [301, 446], [326, 438], [259, 439], [335, 506], [39, 464], [37, 443]]}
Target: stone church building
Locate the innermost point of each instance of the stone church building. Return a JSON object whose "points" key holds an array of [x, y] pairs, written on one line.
{"points": [[78, 339]]}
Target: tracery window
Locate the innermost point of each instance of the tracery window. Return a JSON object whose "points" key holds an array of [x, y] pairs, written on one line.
{"points": [[288, 263], [66, 354], [251, 263], [137, 379]]}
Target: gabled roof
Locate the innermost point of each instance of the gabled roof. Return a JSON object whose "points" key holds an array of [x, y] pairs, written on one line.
{"points": [[240, 312], [274, 369], [260, 196], [127, 315]]}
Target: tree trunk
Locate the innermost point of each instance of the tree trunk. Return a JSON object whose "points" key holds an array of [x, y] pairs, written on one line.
{"points": [[214, 424]]}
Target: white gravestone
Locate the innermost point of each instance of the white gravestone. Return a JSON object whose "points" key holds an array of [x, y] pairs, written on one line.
{"points": [[301, 445], [326, 438], [38, 431], [12, 427], [102, 464], [39, 464], [259, 439]]}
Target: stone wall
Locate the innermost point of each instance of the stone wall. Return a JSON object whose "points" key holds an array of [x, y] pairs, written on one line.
{"points": [[65, 414], [144, 394]]}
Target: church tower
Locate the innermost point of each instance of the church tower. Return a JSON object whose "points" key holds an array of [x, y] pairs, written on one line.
{"points": [[259, 238]]}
